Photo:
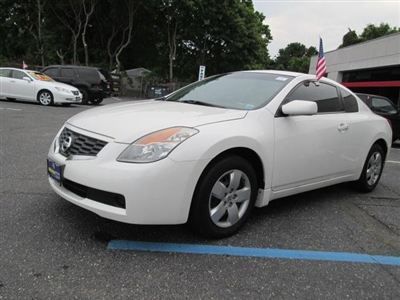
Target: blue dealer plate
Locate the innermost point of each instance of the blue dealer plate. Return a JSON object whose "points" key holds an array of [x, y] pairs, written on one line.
{"points": [[54, 170]]}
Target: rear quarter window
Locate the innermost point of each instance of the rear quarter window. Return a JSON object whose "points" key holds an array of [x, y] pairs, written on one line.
{"points": [[349, 101], [90, 75]]}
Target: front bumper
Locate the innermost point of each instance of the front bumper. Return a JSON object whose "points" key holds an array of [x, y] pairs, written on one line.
{"points": [[61, 97], [155, 193]]}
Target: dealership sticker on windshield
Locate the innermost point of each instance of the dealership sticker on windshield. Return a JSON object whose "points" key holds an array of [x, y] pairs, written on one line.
{"points": [[280, 78]]}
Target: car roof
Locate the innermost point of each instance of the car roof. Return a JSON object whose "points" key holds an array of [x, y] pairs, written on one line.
{"points": [[278, 72], [18, 69]]}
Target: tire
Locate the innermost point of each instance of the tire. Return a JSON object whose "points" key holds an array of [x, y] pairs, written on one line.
{"points": [[85, 96], [227, 190], [45, 98], [97, 101], [372, 169]]}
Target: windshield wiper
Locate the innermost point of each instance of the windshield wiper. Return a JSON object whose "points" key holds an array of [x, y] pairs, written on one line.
{"points": [[196, 102]]}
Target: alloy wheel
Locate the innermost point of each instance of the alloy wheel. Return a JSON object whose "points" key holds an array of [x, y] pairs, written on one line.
{"points": [[374, 168], [45, 98], [229, 198]]}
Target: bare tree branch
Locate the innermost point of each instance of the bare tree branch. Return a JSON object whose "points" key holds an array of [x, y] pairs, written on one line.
{"points": [[73, 23], [88, 12]]}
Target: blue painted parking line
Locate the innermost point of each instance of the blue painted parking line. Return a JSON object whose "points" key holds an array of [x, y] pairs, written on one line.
{"points": [[255, 252]]}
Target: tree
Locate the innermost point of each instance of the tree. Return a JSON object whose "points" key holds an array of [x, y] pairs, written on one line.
{"points": [[170, 37], [223, 35], [370, 32], [373, 31], [88, 11], [69, 13], [36, 30], [119, 22], [350, 38], [294, 57], [172, 11]]}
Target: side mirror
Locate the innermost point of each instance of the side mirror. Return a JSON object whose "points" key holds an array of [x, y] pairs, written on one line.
{"points": [[299, 108], [26, 79]]}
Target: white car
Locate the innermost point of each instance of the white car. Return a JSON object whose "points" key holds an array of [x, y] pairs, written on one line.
{"points": [[35, 86], [213, 150]]}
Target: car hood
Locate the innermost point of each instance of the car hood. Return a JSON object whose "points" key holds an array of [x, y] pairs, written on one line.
{"points": [[128, 121], [53, 84]]}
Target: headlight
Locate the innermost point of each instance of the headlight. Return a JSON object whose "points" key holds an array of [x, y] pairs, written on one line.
{"points": [[156, 145], [60, 89]]}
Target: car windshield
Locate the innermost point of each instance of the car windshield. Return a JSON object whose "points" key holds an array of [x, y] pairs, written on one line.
{"points": [[241, 90], [40, 76]]}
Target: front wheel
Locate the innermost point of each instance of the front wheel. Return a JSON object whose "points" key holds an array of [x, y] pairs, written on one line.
{"points": [[224, 197], [45, 98], [372, 169]]}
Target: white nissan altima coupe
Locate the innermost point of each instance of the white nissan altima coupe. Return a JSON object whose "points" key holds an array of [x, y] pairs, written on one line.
{"points": [[34, 86], [211, 151]]}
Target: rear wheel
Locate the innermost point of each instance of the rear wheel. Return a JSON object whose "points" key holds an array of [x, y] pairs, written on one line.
{"points": [[224, 198], [96, 101], [45, 98], [372, 170]]}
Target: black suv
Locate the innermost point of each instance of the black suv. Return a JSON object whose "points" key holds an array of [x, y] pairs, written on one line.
{"points": [[94, 83]]}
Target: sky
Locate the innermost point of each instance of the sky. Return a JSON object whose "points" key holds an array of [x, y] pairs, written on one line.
{"points": [[304, 21]]}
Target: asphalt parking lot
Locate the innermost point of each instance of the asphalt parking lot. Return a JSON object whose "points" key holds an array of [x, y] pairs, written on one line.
{"points": [[51, 249]]}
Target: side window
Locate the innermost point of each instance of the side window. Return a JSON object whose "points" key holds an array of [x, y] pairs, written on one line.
{"points": [[67, 72], [349, 101], [5, 73], [18, 74], [324, 95], [52, 72], [382, 105]]}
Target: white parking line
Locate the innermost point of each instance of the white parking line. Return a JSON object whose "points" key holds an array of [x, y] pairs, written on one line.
{"points": [[7, 108], [393, 161]]}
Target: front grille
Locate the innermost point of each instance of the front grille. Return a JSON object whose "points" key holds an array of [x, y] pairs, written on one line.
{"points": [[76, 93], [73, 143], [104, 197]]}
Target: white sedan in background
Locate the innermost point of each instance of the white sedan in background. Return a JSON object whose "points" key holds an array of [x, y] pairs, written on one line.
{"points": [[211, 151], [34, 86]]}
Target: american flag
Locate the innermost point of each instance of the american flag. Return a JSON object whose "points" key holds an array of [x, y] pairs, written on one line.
{"points": [[321, 63]]}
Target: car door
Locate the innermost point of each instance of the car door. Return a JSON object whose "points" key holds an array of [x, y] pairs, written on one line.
{"points": [[311, 148], [20, 88], [5, 74]]}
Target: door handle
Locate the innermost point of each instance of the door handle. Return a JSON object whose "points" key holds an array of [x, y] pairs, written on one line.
{"points": [[13, 81], [343, 127]]}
